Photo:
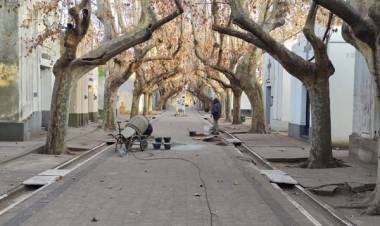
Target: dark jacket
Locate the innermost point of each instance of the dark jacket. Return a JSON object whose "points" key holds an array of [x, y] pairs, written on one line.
{"points": [[216, 109]]}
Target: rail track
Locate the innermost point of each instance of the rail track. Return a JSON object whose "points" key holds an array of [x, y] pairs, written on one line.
{"points": [[316, 211], [22, 192]]}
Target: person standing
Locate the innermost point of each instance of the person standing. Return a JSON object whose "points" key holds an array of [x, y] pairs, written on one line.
{"points": [[216, 110]]}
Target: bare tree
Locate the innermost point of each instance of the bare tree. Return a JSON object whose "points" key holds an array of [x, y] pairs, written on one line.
{"points": [[144, 84], [314, 75], [167, 90], [229, 73], [115, 80], [269, 19], [119, 77], [69, 68], [362, 30], [225, 95], [242, 75], [197, 89]]}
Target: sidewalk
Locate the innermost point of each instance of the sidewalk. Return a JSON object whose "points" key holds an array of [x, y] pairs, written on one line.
{"points": [[336, 187], [12, 150], [20, 160]]}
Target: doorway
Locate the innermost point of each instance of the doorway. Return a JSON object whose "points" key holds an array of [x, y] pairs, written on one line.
{"points": [[268, 105], [305, 132], [46, 79]]}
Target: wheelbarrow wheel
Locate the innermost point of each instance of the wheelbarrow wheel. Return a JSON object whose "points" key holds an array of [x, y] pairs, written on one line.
{"points": [[143, 145], [118, 144]]}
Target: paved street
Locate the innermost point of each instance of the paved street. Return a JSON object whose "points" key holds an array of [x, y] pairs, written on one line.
{"points": [[166, 190]]}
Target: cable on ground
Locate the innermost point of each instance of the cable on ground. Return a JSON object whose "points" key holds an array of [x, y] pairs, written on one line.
{"points": [[199, 175]]}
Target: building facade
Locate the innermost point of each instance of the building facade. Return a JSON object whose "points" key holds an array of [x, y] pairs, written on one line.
{"points": [[287, 103], [26, 78], [84, 100], [365, 132]]}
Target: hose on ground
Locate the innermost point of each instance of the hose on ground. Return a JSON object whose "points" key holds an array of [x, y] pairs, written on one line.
{"points": [[199, 175]]}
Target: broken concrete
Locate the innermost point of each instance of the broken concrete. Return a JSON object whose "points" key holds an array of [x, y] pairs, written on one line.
{"points": [[360, 187], [328, 190]]}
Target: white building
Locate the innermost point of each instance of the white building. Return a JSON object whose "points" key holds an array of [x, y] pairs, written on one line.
{"points": [[287, 102], [363, 141], [84, 100], [26, 78], [125, 95], [245, 105]]}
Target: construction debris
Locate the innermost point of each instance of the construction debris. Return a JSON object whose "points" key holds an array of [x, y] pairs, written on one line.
{"points": [[325, 190]]}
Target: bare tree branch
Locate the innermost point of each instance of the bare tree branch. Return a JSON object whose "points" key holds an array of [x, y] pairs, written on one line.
{"points": [[363, 27], [104, 14], [238, 34], [293, 63], [119, 44]]}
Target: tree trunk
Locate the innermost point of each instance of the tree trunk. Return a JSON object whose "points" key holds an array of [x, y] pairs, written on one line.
{"points": [[374, 208], [223, 101], [321, 149], [206, 106], [236, 106], [109, 114], [165, 104], [150, 104], [146, 104], [162, 104], [135, 104], [59, 115], [228, 105], [255, 96]]}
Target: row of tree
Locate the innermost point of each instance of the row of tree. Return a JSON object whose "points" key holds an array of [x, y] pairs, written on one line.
{"points": [[256, 24], [361, 28], [111, 51], [228, 58]]}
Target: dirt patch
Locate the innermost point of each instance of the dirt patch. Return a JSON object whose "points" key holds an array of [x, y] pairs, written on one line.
{"points": [[345, 201]]}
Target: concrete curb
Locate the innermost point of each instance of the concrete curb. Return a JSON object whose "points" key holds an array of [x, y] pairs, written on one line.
{"points": [[35, 149]]}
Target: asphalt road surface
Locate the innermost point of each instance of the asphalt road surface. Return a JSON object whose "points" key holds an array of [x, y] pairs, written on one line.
{"points": [[193, 184]]}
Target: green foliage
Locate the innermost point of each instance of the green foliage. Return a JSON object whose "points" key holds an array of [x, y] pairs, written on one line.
{"points": [[8, 74], [101, 72]]}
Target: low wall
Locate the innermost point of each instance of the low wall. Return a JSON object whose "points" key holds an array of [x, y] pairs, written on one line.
{"points": [[21, 131]]}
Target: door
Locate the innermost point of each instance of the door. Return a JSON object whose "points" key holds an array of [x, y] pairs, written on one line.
{"points": [[46, 79], [268, 104], [91, 100], [306, 128]]}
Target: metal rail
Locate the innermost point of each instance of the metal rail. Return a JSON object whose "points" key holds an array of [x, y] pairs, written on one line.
{"points": [[302, 199], [21, 193]]}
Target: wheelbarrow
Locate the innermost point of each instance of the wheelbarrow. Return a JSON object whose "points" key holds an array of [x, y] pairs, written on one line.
{"points": [[133, 133]]}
